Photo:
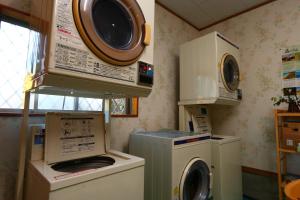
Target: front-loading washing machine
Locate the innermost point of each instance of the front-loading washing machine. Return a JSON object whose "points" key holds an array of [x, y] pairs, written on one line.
{"points": [[70, 160], [209, 71], [178, 164], [110, 41]]}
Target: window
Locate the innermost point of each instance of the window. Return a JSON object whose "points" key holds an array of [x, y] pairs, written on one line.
{"points": [[14, 41]]}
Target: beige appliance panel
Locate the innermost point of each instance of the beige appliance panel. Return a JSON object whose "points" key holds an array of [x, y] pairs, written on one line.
{"points": [[109, 183], [201, 62], [198, 69], [59, 47], [74, 135], [226, 162]]}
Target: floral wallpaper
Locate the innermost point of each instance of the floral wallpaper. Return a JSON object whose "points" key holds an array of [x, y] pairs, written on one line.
{"points": [[260, 34], [159, 110]]}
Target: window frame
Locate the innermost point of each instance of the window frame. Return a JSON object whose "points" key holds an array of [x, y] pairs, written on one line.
{"points": [[22, 19]]}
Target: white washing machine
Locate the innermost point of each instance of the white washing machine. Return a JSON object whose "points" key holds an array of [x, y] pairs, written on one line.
{"points": [[75, 164], [110, 41], [209, 71], [178, 164], [226, 167]]}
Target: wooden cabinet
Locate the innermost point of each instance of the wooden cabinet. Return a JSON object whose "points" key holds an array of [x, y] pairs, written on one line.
{"points": [[287, 127]]}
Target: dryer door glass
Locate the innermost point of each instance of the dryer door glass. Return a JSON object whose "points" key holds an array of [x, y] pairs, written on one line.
{"points": [[230, 73], [112, 29], [113, 23], [195, 181]]}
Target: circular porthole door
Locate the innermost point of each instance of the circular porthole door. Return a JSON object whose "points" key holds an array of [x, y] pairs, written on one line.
{"points": [[195, 181], [112, 29], [230, 73]]}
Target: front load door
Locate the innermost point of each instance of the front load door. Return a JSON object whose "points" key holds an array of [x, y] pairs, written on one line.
{"points": [[230, 73], [114, 30], [195, 181]]}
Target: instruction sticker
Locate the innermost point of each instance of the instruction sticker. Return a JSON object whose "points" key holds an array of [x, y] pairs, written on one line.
{"points": [[72, 54], [77, 135]]}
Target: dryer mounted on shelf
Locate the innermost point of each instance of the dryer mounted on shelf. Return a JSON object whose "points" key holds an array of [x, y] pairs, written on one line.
{"points": [[109, 41], [209, 71]]}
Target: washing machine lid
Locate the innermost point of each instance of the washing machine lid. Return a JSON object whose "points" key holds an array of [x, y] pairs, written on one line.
{"points": [[195, 181], [230, 72], [74, 135], [114, 30]]}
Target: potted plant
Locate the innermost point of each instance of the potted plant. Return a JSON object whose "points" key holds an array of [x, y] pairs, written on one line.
{"points": [[291, 99]]}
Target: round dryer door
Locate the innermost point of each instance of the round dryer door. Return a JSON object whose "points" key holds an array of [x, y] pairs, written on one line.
{"points": [[114, 30], [230, 73], [195, 181]]}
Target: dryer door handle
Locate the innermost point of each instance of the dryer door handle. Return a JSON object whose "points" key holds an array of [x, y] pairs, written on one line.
{"points": [[147, 32], [211, 180]]}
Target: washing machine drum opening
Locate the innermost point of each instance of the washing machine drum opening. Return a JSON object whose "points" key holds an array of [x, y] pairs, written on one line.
{"points": [[195, 182], [230, 73], [112, 29], [83, 164]]}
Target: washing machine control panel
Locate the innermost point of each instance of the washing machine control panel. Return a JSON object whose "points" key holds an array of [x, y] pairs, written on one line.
{"points": [[145, 74]]}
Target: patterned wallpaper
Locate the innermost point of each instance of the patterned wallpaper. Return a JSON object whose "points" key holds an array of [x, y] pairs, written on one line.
{"points": [[159, 110], [260, 34]]}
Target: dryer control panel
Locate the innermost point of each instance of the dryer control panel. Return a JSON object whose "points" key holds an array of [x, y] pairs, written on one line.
{"points": [[145, 74]]}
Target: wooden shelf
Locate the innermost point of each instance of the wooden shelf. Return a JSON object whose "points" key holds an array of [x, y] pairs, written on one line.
{"points": [[288, 114], [288, 151], [281, 157]]}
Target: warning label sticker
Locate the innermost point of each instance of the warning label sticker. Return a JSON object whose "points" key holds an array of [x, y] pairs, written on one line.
{"points": [[72, 54], [77, 135]]}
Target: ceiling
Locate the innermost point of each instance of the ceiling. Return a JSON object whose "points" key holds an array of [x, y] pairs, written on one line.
{"points": [[203, 13]]}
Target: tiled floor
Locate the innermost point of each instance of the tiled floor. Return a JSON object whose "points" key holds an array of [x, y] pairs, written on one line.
{"points": [[259, 187]]}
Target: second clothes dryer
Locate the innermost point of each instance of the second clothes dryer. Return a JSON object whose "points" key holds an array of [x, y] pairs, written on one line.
{"points": [[209, 71]]}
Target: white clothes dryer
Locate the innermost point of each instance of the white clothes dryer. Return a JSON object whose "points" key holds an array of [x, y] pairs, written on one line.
{"points": [[110, 41], [178, 164], [77, 165], [209, 71]]}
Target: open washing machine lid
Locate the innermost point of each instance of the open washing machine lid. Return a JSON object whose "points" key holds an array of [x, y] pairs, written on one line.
{"points": [[72, 136]]}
